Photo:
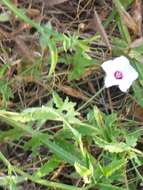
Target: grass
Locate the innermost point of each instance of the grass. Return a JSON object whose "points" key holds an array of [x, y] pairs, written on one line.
{"points": [[60, 127]]}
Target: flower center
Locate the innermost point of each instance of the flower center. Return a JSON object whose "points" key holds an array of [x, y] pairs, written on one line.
{"points": [[118, 75]]}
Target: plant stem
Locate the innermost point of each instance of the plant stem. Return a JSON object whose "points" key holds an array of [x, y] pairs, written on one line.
{"points": [[138, 173], [21, 15], [90, 99], [39, 181]]}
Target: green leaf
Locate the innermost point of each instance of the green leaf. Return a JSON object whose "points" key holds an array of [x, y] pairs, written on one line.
{"points": [[83, 172], [65, 113], [83, 128], [100, 121], [61, 152], [113, 147], [20, 13], [5, 180], [138, 93], [131, 139], [54, 56], [123, 30], [33, 144], [69, 148], [70, 42], [111, 119], [3, 70], [33, 114], [117, 147], [126, 3], [109, 187], [57, 100], [119, 43], [70, 112], [98, 115], [113, 167], [80, 61], [11, 135], [48, 39], [48, 167], [5, 91], [4, 17]]}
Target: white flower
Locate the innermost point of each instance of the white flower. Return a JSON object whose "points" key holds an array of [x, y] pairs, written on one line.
{"points": [[119, 72]]}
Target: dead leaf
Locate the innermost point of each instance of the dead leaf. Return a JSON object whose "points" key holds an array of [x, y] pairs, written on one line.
{"points": [[58, 171], [138, 42], [128, 20], [137, 15], [24, 49], [54, 2], [89, 71], [15, 2], [3, 34], [31, 12], [22, 26], [101, 30], [136, 111], [72, 92]]}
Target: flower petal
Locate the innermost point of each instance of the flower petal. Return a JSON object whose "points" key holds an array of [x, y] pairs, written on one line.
{"points": [[130, 77], [106, 66], [110, 81], [131, 73], [125, 85], [121, 62], [122, 65]]}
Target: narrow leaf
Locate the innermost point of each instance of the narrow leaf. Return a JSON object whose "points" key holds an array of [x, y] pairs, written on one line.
{"points": [[54, 2], [128, 20], [101, 29], [48, 167], [137, 15]]}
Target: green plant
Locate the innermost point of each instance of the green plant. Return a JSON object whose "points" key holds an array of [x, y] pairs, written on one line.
{"points": [[99, 150]]}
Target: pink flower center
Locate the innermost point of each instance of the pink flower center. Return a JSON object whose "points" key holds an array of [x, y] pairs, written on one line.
{"points": [[118, 75]]}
